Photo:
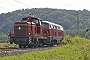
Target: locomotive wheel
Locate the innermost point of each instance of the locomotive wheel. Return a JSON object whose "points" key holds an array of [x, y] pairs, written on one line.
{"points": [[30, 46], [24, 46], [57, 44], [51, 44], [40, 45], [11, 42], [20, 46]]}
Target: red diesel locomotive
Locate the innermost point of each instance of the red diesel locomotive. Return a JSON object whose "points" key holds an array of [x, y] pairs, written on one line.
{"points": [[33, 32]]}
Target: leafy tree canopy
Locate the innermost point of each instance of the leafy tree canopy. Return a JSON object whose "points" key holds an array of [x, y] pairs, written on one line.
{"points": [[69, 19]]}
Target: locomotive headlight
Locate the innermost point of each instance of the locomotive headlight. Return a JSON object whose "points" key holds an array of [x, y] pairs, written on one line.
{"points": [[8, 37], [28, 18], [19, 28], [29, 33], [9, 33]]}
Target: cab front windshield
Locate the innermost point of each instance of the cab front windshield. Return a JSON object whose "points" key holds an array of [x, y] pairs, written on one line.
{"points": [[35, 21]]}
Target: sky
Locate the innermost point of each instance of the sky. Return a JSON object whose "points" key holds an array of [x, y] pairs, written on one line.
{"points": [[12, 5]]}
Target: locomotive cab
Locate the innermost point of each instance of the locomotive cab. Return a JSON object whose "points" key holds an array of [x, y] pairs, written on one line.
{"points": [[25, 31]]}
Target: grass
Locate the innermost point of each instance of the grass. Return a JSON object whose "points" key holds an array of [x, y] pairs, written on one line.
{"points": [[2, 45], [73, 48]]}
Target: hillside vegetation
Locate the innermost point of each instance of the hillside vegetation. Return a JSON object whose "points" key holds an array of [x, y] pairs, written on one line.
{"points": [[72, 48], [69, 19], [3, 37]]}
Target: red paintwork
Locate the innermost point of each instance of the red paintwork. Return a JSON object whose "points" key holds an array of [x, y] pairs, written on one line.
{"points": [[53, 32], [31, 29]]}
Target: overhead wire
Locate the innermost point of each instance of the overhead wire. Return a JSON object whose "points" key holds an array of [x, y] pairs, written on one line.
{"points": [[26, 4], [6, 3], [9, 3], [5, 8], [16, 5], [22, 3]]}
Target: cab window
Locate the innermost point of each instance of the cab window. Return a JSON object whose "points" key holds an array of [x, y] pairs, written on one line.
{"points": [[45, 25], [35, 21]]}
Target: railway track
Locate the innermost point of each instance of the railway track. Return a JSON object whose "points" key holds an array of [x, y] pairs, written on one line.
{"points": [[16, 51]]}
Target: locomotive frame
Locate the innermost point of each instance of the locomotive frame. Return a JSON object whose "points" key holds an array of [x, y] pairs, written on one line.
{"points": [[33, 32]]}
